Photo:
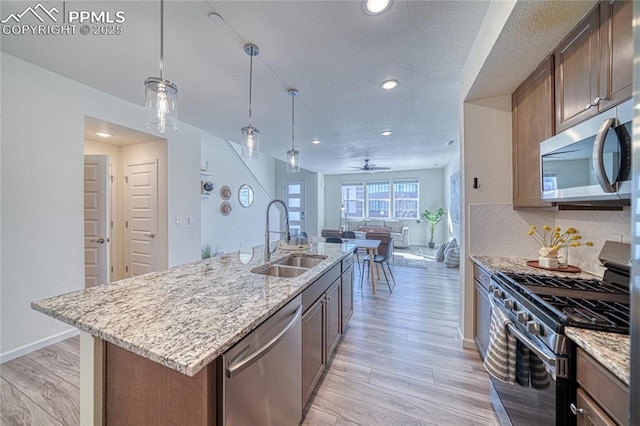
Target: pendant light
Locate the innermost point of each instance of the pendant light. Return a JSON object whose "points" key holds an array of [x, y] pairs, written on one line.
{"points": [[293, 156], [161, 96], [251, 135]]}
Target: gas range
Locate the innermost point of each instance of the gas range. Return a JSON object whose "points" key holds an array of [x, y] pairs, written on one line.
{"points": [[539, 307], [564, 301]]}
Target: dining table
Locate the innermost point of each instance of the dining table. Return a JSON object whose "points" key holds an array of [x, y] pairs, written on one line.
{"points": [[371, 246]]}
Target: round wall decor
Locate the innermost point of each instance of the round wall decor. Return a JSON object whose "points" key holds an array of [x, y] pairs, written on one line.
{"points": [[225, 208], [225, 192]]}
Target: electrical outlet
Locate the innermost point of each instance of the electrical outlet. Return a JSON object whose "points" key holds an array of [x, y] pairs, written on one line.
{"points": [[615, 237], [178, 221]]}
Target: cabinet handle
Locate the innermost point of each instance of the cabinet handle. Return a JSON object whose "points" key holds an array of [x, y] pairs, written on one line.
{"points": [[575, 410], [588, 105], [598, 100]]}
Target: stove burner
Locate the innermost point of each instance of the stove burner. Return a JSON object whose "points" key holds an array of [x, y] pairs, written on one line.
{"points": [[566, 282]]}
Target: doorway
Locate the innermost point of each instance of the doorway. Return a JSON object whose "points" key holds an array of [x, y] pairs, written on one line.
{"points": [[294, 194], [136, 204]]}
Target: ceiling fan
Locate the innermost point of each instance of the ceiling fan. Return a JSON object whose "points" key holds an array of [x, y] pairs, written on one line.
{"points": [[367, 167]]}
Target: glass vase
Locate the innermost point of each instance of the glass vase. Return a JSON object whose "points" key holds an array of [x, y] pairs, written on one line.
{"points": [[563, 257]]}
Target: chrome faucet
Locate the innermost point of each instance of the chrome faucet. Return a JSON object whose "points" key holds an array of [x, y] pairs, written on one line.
{"points": [[267, 252]]}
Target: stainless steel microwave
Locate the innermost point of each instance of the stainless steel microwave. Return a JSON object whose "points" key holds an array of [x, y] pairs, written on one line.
{"points": [[590, 161]]}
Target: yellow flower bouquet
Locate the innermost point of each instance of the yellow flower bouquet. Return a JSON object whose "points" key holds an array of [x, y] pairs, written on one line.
{"points": [[554, 239]]}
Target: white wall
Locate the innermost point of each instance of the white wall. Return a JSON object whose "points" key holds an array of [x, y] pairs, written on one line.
{"points": [[431, 198], [42, 193], [243, 225]]}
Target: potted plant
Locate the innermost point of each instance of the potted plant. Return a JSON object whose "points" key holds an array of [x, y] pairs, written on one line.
{"points": [[432, 219]]}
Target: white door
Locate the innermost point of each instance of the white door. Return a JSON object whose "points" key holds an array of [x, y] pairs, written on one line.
{"points": [[294, 197], [96, 220], [141, 224]]}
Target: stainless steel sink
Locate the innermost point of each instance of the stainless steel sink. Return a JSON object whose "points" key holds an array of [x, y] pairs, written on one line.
{"points": [[283, 271], [301, 261]]}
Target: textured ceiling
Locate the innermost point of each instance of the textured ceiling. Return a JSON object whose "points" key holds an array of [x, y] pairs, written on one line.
{"points": [[332, 52]]}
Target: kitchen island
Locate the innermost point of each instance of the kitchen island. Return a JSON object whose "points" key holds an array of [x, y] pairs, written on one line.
{"points": [[176, 323]]}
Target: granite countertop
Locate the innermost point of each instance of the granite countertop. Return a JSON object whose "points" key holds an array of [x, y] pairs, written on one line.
{"points": [[519, 265], [186, 316], [609, 349]]}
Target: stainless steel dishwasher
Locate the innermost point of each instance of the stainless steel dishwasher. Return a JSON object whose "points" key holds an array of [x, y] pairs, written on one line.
{"points": [[262, 374]]}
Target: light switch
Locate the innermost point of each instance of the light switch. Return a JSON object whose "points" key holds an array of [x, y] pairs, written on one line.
{"points": [[178, 221], [191, 220]]}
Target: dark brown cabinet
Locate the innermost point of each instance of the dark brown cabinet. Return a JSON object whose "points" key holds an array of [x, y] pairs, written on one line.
{"points": [[601, 398], [483, 308], [347, 291], [323, 321], [616, 48], [334, 324], [314, 357], [593, 65], [532, 109]]}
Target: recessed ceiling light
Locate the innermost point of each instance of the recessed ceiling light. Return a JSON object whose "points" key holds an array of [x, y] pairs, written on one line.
{"points": [[451, 142], [386, 133], [103, 134], [216, 18], [315, 141], [375, 7], [389, 84]]}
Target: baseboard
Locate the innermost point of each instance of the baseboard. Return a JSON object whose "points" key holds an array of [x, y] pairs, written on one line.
{"points": [[467, 343], [26, 349]]}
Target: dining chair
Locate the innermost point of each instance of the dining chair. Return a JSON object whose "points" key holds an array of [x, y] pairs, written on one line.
{"points": [[333, 240], [352, 235], [384, 253]]}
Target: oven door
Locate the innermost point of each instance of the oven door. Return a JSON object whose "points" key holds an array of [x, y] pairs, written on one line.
{"points": [[526, 406]]}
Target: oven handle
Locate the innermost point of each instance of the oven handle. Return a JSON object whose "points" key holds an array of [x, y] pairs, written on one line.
{"points": [[549, 360], [558, 365]]}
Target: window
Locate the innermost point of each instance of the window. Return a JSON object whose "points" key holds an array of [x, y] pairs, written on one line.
{"points": [[378, 200], [353, 199], [406, 199]]}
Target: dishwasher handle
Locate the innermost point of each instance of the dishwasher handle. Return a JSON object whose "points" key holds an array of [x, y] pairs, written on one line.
{"points": [[238, 367]]}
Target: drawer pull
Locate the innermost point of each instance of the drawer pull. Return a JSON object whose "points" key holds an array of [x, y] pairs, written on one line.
{"points": [[575, 410]]}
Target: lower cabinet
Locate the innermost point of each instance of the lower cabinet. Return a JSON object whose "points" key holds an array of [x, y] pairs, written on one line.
{"points": [[321, 332], [314, 358], [601, 398], [483, 309], [324, 321], [347, 295]]}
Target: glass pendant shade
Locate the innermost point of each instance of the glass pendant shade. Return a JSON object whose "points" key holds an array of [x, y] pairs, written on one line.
{"points": [[161, 103], [161, 96], [293, 161], [250, 135], [250, 143]]}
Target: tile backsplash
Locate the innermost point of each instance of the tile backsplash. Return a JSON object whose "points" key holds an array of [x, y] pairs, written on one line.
{"points": [[498, 230]]}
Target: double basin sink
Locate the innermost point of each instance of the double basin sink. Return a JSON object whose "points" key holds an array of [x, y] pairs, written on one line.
{"points": [[290, 266]]}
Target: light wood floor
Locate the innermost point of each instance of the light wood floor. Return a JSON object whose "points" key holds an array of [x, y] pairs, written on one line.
{"points": [[400, 363]]}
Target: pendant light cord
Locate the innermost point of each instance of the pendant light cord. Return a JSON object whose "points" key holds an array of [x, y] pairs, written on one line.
{"points": [[161, 38], [293, 109], [250, 82]]}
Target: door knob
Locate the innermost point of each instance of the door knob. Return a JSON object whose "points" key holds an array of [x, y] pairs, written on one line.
{"points": [[100, 241], [151, 235]]}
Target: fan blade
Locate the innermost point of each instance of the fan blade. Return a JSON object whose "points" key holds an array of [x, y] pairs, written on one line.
{"points": [[379, 168]]}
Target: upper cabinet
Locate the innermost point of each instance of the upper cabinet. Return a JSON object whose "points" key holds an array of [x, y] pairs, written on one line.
{"points": [[589, 72], [593, 64], [532, 105]]}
